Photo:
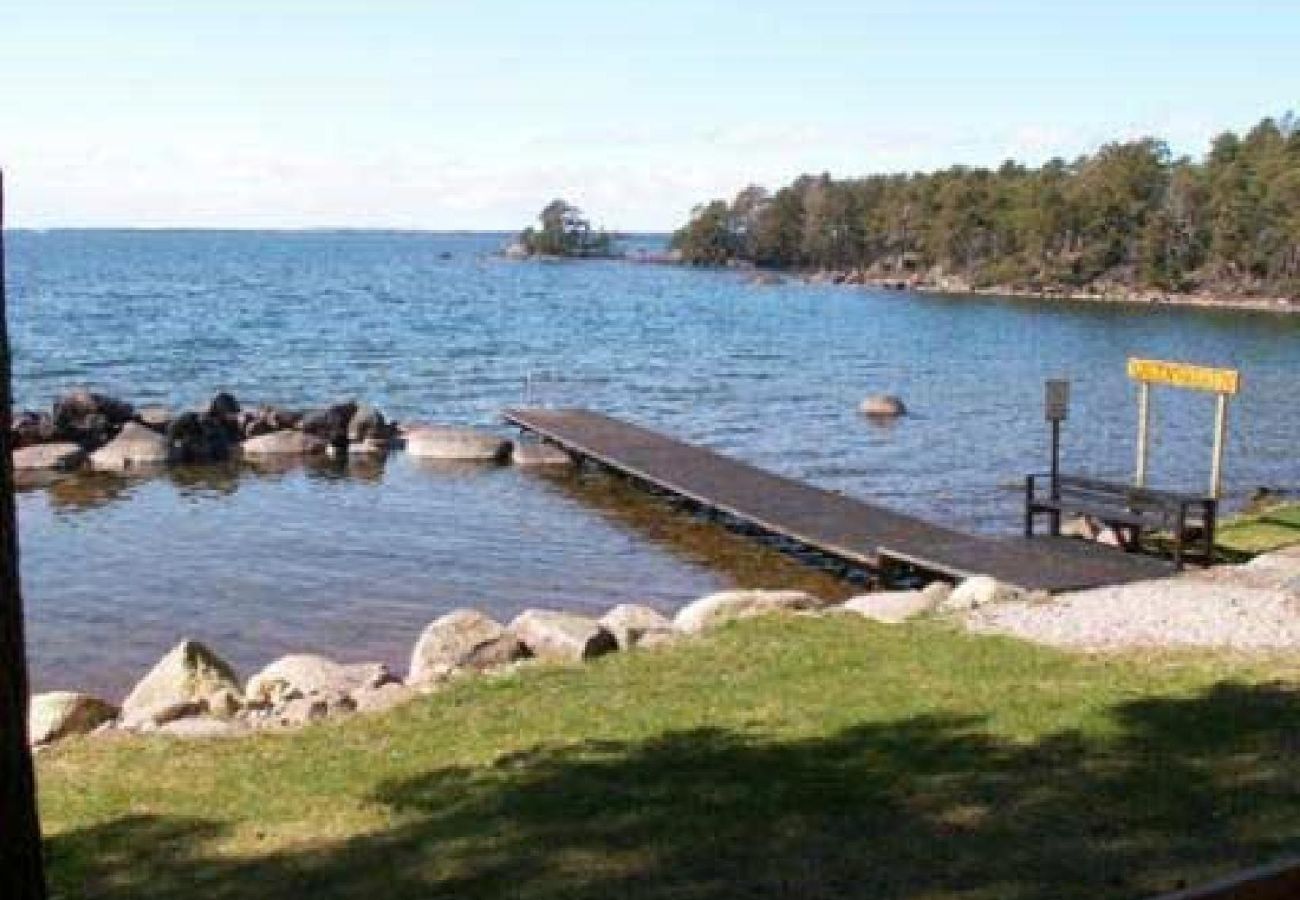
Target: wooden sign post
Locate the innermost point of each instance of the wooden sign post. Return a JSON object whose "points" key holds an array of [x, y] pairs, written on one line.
{"points": [[1222, 382]]}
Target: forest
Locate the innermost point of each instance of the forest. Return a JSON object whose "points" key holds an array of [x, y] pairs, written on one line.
{"points": [[1129, 216]]}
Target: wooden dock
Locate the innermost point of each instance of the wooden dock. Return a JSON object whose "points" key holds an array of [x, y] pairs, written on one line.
{"points": [[844, 528]]}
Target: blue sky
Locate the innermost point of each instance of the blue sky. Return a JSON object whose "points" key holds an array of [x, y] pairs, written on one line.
{"points": [[311, 113]]}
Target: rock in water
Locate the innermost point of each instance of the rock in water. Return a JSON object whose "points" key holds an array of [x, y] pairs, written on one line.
{"points": [[891, 607], [460, 640], [189, 673], [285, 443], [61, 456], [452, 443], [367, 423], [562, 636], [308, 675], [60, 714], [631, 622], [137, 446], [725, 606], [540, 454], [883, 406]]}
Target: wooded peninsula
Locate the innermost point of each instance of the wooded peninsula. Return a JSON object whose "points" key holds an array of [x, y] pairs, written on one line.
{"points": [[1129, 217]]}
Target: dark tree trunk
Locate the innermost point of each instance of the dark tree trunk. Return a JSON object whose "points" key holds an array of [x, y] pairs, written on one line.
{"points": [[20, 834]]}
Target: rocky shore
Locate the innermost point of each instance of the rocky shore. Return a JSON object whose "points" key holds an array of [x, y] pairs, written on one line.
{"points": [[86, 431]]}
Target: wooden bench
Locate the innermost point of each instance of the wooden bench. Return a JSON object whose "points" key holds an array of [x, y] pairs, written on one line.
{"points": [[1130, 510]]}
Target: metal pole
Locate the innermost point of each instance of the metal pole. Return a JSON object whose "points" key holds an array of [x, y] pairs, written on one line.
{"points": [[1144, 424], [21, 867], [1220, 442]]}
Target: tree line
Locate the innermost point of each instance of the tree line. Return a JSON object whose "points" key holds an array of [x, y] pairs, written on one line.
{"points": [[1130, 214]]}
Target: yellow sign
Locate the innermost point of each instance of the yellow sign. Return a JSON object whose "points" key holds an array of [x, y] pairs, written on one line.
{"points": [[1199, 378]]}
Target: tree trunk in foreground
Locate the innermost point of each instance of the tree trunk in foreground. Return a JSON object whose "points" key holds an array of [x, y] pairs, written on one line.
{"points": [[21, 868]]}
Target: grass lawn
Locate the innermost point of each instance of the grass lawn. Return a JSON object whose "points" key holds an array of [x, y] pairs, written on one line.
{"points": [[787, 757], [1259, 532]]}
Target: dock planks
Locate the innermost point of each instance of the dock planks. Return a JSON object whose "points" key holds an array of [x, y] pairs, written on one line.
{"points": [[845, 528]]}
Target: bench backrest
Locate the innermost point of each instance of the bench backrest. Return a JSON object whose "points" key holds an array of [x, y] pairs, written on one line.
{"points": [[1083, 489]]}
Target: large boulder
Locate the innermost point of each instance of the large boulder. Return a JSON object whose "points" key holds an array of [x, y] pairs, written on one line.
{"points": [[539, 453], [454, 443], [190, 673], [285, 443], [561, 636], [883, 406], [630, 623], [367, 423], [891, 607], [33, 428], [727, 606], [60, 714], [330, 424], [308, 675], [156, 417], [63, 456], [136, 446], [199, 438], [224, 406], [78, 405], [977, 591], [463, 639]]}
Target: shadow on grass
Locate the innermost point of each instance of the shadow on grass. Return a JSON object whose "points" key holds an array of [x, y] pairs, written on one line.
{"points": [[927, 807]]}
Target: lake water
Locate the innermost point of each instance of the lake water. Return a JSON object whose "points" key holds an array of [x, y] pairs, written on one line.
{"points": [[352, 562]]}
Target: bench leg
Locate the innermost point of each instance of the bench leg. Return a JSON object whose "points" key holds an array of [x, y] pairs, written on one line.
{"points": [[1180, 532]]}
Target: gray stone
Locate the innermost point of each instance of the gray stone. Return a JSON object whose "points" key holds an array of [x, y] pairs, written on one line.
{"points": [[367, 423], [371, 446], [539, 454], [631, 622], [891, 607], [937, 591], [155, 417], [285, 443], [63, 456], [454, 443], [308, 675], [60, 714], [136, 446], [462, 639], [561, 636], [726, 606], [883, 406], [190, 672]]}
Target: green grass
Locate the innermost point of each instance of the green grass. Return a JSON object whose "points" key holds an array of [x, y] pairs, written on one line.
{"points": [[1260, 532], [786, 757]]}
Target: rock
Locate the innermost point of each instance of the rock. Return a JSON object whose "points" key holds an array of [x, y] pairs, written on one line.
{"points": [[79, 405], [552, 635], [883, 406], [150, 718], [977, 591], [201, 728], [155, 417], [198, 438], [33, 428], [367, 423], [540, 454], [657, 637], [63, 456], [285, 443], [223, 406], [330, 424], [462, 639], [136, 446], [189, 672], [383, 697], [937, 591], [766, 279], [370, 446], [516, 251], [631, 622], [306, 710], [725, 606], [308, 675], [448, 442], [891, 607], [266, 419], [1082, 527], [225, 704], [60, 714]]}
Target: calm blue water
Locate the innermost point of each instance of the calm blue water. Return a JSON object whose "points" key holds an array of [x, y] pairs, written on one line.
{"points": [[434, 327]]}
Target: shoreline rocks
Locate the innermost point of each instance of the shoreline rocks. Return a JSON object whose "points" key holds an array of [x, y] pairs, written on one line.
{"points": [[882, 406], [561, 636], [461, 640], [447, 442]]}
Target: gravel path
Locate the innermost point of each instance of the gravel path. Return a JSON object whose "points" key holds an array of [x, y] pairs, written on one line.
{"points": [[1252, 607]]}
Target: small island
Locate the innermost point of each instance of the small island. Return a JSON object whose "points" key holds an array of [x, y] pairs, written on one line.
{"points": [[563, 232]]}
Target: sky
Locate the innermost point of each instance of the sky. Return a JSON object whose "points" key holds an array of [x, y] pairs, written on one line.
{"points": [[472, 115]]}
